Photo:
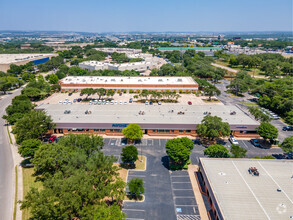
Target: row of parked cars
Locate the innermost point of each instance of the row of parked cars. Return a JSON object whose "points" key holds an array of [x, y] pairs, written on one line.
{"points": [[253, 141], [270, 113], [52, 139]]}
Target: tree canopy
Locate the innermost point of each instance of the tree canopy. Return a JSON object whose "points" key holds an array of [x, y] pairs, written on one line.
{"points": [[28, 147], [132, 132], [267, 131], [129, 154], [212, 127], [32, 125], [179, 149], [287, 144], [136, 187], [237, 151], [75, 186], [217, 150]]}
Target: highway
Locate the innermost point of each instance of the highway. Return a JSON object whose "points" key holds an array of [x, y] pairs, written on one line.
{"points": [[6, 163]]}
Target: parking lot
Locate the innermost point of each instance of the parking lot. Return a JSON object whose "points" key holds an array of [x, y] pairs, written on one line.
{"points": [[184, 99], [168, 194]]}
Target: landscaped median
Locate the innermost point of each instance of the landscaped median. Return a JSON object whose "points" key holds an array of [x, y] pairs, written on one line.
{"points": [[140, 165]]}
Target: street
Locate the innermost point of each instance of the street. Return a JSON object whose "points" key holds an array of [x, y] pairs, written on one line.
{"points": [[229, 99], [6, 163]]}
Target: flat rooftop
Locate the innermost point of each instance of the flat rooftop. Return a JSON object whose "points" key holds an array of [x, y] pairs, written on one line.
{"points": [[243, 196], [153, 114], [14, 58], [189, 48], [128, 80], [96, 63]]}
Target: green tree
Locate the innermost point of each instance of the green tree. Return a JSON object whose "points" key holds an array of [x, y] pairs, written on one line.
{"points": [[88, 92], [212, 127], [287, 144], [179, 150], [32, 93], [110, 92], [132, 132], [267, 131], [129, 154], [237, 151], [53, 79], [136, 187], [241, 83], [28, 147], [211, 91], [32, 125], [101, 92], [217, 150], [106, 212]]}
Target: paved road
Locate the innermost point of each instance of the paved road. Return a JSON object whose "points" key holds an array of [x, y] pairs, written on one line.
{"points": [[6, 163], [228, 99]]}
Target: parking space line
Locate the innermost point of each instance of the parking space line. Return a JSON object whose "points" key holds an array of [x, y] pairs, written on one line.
{"points": [[187, 205], [245, 145], [180, 182], [134, 210], [184, 189], [192, 197], [179, 176]]}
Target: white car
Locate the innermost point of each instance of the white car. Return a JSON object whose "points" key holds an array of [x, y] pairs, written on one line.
{"points": [[147, 103], [112, 103], [107, 103], [116, 102], [159, 103], [65, 102], [120, 103], [125, 103], [233, 140], [60, 102], [69, 102]]}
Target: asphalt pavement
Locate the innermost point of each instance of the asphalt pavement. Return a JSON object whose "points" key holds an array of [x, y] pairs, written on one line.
{"points": [[6, 162]]}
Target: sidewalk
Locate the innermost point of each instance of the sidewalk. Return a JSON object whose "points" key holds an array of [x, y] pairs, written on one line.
{"points": [[17, 160], [199, 200]]}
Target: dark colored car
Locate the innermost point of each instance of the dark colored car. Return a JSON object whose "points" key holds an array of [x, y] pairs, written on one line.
{"points": [[130, 100], [69, 94], [151, 102], [52, 139], [288, 128], [78, 100], [255, 142]]}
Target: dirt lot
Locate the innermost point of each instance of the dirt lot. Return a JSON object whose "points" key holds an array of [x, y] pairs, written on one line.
{"points": [[183, 100]]}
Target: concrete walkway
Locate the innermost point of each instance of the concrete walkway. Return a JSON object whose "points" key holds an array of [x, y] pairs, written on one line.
{"points": [[225, 67], [201, 206]]}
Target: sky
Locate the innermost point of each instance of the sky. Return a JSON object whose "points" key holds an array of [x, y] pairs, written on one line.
{"points": [[146, 15]]}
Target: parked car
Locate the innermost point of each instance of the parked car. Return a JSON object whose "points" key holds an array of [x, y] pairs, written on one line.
{"points": [[125, 103], [70, 94], [115, 102], [233, 140], [52, 139], [288, 128], [60, 102], [120, 103], [189, 103], [255, 142], [67, 112], [65, 102], [146, 102], [130, 100], [74, 100], [151, 102], [112, 103], [159, 103]]}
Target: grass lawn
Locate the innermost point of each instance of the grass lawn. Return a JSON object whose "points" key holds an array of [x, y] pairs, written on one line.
{"points": [[209, 101], [140, 164], [250, 71], [28, 182], [249, 103]]}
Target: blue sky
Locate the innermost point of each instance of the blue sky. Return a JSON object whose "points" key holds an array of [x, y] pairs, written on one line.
{"points": [[146, 15]]}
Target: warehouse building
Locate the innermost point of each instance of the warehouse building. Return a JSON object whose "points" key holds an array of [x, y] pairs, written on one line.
{"points": [[77, 83], [247, 188], [154, 120], [20, 59], [137, 66], [119, 50], [206, 50]]}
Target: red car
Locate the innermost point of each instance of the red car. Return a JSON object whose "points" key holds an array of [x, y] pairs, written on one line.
{"points": [[189, 103], [52, 139]]}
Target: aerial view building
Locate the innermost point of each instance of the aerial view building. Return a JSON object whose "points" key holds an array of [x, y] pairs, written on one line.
{"points": [[77, 83], [20, 59], [160, 120], [247, 188]]}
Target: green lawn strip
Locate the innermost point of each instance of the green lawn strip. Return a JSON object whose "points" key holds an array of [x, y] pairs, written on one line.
{"points": [[10, 140], [15, 196], [249, 103], [28, 182]]}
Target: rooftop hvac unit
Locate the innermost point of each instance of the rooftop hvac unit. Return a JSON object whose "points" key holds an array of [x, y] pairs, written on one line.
{"points": [[113, 80], [179, 80], [160, 80]]}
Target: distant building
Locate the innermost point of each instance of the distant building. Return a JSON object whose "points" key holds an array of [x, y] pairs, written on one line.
{"points": [[20, 59], [77, 83], [220, 37], [236, 38], [119, 50], [197, 49], [25, 46]]}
